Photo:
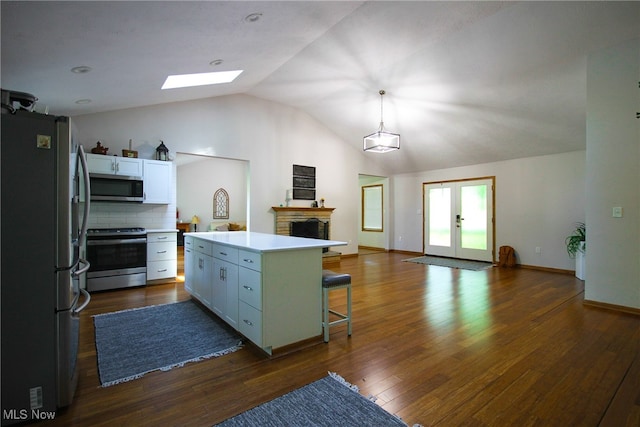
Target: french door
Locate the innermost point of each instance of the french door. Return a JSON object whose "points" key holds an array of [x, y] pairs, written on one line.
{"points": [[458, 219]]}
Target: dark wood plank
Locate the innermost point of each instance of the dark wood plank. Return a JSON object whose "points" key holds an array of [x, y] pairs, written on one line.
{"points": [[437, 346]]}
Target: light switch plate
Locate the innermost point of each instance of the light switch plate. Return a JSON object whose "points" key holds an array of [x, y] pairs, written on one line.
{"points": [[617, 212]]}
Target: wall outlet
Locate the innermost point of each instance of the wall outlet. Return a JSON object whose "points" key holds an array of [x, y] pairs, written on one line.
{"points": [[617, 212], [538, 249]]}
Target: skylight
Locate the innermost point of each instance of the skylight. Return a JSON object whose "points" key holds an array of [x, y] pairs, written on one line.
{"points": [[200, 79]]}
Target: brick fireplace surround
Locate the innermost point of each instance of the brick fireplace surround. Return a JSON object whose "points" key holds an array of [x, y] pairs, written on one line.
{"points": [[285, 215]]}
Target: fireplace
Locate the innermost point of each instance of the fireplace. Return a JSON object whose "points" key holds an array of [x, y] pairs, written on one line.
{"points": [[312, 228], [287, 215]]}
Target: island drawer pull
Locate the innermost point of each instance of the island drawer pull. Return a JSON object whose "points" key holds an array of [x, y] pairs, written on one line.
{"points": [[162, 270], [162, 238], [249, 288], [248, 322], [248, 260], [223, 253], [161, 252]]}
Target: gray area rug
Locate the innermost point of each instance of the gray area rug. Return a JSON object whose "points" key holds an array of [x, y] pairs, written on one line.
{"points": [[131, 343], [450, 262], [330, 401]]}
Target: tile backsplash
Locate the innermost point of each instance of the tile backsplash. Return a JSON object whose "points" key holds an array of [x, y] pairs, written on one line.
{"points": [[111, 215]]}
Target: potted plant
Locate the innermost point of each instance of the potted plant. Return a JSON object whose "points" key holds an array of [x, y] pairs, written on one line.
{"points": [[576, 246]]}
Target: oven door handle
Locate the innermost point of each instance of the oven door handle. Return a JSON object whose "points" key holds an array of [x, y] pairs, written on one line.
{"points": [[108, 242]]}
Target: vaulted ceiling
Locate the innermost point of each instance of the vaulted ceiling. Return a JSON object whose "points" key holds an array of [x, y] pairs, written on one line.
{"points": [[466, 82]]}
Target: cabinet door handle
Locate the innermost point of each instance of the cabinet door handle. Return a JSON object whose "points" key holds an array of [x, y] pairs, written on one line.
{"points": [[249, 288], [248, 261], [161, 252], [248, 322]]}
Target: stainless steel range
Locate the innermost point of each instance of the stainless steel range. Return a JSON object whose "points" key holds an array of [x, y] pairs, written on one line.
{"points": [[118, 258]]}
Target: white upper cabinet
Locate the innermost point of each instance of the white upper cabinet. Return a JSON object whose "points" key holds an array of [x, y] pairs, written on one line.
{"points": [[113, 165], [157, 181]]}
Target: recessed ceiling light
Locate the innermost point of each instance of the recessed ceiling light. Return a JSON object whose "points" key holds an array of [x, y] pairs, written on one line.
{"points": [[200, 79], [82, 69], [216, 62], [83, 101], [254, 17]]}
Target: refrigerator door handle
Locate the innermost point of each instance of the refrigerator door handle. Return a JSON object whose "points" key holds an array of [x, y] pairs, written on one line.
{"points": [[87, 196], [87, 299], [84, 269]]}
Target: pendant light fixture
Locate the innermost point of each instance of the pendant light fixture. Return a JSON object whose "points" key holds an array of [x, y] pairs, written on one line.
{"points": [[382, 141]]}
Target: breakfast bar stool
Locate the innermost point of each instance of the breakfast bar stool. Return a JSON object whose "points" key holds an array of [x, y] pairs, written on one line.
{"points": [[331, 281]]}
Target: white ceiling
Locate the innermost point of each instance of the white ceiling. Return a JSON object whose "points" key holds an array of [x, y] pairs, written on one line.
{"points": [[466, 82]]}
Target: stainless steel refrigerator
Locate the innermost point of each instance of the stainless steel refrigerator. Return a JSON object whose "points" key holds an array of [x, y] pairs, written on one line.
{"points": [[44, 221]]}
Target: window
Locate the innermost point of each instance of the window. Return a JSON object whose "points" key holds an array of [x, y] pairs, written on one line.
{"points": [[372, 207]]}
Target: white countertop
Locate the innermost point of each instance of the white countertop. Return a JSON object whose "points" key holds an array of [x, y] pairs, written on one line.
{"points": [[162, 230], [263, 242]]}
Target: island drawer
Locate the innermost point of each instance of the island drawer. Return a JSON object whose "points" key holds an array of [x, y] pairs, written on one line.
{"points": [[226, 253], [250, 287], [250, 321], [203, 246], [252, 260]]}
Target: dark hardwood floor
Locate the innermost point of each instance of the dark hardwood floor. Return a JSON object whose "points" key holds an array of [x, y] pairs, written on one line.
{"points": [[437, 346]]}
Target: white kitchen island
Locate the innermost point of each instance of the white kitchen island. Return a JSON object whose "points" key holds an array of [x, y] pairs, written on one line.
{"points": [[266, 286]]}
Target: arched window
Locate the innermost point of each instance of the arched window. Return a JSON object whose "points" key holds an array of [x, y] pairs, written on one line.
{"points": [[221, 204]]}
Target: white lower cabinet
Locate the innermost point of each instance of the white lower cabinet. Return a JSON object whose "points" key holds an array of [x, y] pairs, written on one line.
{"points": [[189, 265], [199, 271], [204, 267], [225, 284], [161, 256]]}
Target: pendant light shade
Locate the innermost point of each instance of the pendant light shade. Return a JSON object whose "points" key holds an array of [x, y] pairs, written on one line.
{"points": [[381, 141]]}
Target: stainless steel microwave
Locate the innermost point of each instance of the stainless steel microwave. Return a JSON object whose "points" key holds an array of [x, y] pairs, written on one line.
{"points": [[116, 188]]}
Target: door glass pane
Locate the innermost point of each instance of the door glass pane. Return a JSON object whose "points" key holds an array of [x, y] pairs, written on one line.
{"points": [[473, 210], [440, 217]]}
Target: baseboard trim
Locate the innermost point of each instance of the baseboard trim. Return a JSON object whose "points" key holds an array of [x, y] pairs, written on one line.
{"points": [[614, 307], [415, 254], [549, 269]]}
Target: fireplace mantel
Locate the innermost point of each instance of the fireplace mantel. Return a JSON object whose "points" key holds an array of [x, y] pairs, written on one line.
{"points": [[301, 209]]}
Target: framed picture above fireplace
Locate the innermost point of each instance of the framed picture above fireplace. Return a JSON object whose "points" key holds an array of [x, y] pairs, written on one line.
{"points": [[304, 182]]}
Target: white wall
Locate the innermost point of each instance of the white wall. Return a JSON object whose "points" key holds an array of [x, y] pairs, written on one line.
{"points": [[270, 136], [197, 182], [613, 176], [538, 202]]}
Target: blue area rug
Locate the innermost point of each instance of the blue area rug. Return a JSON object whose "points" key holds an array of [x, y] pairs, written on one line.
{"points": [[450, 262], [330, 401], [131, 343]]}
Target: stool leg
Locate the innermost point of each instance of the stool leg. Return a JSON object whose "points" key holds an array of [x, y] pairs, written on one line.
{"points": [[325, 313], [349, 309]]}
